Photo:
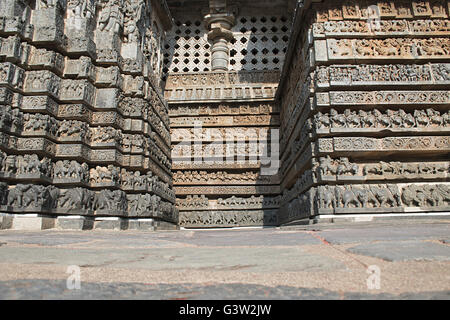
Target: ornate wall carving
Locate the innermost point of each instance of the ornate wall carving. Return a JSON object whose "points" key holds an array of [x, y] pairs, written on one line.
{"points": [[84, 125], [365, 121], [107, 111]]}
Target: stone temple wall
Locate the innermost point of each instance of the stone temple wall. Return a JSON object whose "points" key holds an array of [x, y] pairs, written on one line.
{"points": [[219, 184], [365, 114], [157, 114], [84, 126]]}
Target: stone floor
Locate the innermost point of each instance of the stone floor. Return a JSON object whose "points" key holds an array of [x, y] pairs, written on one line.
{"points": [[312, 262]]}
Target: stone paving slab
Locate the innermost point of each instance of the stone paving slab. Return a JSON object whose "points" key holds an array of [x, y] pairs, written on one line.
{"points": [[395, 232], [57, 290], [219, 238], [258, 259], [317, 262], [404, 251]]}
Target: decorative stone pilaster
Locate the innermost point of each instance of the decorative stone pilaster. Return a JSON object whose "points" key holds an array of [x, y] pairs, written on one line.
{"points": [[220, 25]]}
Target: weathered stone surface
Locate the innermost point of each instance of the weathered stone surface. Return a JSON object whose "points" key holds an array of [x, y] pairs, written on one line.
{"points": [[364, 110], [74, 223], [107, 110], [69, 71], [405, 251], [32, 222]]}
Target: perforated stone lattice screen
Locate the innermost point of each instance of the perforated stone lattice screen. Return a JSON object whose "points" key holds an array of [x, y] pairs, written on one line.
{"points": [[187, 48], [260, 43]]}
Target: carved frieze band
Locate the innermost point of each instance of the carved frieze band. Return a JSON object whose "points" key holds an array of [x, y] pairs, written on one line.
{"points": [[327, 170], [221, 134], [371, 121], [336, 98], [80, 151], [389, 144], [367, 198], [43, 128], [225, 121], [196, 219], [223, 109], [51, 200], [190, 165], [227, 190], [382, 75], [383, 198], [222, 177], [20, 168], [192, 203], [382, 49]]}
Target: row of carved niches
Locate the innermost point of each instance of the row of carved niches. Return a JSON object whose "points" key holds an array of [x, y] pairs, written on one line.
{"points": [[222, 85], [31, 167], [127, 32], [222, 79], [250, 92], [403, 27], [240, 218], [359, 10], [35, 198]]}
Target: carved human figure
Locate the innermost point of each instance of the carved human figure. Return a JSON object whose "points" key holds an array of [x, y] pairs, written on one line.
{"points": [[132, 15], [110, 17], [80, 8]]}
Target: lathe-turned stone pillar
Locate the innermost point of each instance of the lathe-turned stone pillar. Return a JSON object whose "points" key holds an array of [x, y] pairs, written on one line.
{"points": [[219, 22]]}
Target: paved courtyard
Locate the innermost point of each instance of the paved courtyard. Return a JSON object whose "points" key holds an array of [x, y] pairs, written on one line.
{"points": [[385, 260]]}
